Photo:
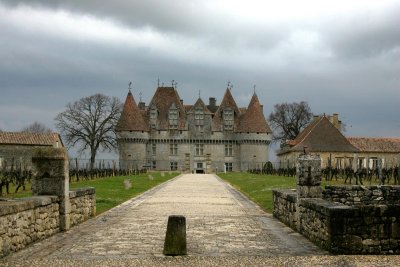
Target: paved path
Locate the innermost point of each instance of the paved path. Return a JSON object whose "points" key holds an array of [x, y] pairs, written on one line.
{"points": [[220, 222]]}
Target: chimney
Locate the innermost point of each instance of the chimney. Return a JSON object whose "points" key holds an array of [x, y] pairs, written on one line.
{"points": [[212, 102], [335, 120], [142, 105]]}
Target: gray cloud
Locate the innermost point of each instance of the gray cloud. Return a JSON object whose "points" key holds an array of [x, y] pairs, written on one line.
{"points": [[54, 52]]}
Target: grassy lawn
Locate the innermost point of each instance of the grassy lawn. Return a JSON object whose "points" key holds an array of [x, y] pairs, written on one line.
{"points": [[111, 191], [259, 187]]}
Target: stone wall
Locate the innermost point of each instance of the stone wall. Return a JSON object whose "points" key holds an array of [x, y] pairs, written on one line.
{"points": [[25, 221], [362, 195], [285, 202], [341, 219], [370, 227], [342, 229], [53, 208], [83, 204]]}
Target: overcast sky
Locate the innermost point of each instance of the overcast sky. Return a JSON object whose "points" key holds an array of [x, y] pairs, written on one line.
{"points": [[339, 56]]}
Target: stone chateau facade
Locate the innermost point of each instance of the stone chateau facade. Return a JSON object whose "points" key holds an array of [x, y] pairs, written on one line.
{"points": [[170, 135]]}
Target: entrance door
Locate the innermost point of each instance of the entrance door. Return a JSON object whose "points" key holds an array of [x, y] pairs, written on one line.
{"points": [[199, 167]]}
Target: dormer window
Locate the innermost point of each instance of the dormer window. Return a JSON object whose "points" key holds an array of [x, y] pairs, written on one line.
{"points": [[228, 116], [153, 117], [173, 116], [199, 118]]}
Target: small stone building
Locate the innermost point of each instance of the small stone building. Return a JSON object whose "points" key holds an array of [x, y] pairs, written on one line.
{"points": [[170, 135], [16, 148], [323, 136]]}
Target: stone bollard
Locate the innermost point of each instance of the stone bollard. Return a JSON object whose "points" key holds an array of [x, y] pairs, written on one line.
{"points": [[52, 178], [175, 238]]}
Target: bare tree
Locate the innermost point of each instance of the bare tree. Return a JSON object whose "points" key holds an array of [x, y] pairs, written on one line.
{"points": [[90, 122], [36, 127], [289, 119]]}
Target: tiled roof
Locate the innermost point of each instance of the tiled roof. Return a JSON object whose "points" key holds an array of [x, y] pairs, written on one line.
{"points": [[371, 144], [227, 102], [199, 103], [187, 107], [163, 100], [253, 119], [320, 136], [131, 117], [26, 138]]}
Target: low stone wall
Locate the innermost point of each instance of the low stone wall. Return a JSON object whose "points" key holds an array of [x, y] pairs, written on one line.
{"points": [[348, 220], [25, 221], [285, 202], [362, 195], [342, 229], [83, 204]]}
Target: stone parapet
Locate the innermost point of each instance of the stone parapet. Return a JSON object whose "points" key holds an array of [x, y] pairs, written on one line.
{"points": [[362, 195], [285, 206], [83, 204], [27, 220], [342, 229]]}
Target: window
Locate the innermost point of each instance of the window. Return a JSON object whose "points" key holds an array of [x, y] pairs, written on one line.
{"points": [[228, 116], [173, 149], [153, 117], [228, 150], [173, 116], [153, 149], [228, 166], [199, 149], [173, 165], [153, 164], [199, 116]]}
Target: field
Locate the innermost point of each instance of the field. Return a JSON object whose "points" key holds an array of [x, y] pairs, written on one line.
{"points": [[258, 187], [112, 191]]}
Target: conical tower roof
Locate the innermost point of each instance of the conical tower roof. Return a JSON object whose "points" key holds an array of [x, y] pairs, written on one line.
{"points": [[131, 117], [253, 119]]}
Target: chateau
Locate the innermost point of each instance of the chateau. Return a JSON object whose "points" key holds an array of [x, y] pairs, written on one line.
{"points": [[170, 135]]}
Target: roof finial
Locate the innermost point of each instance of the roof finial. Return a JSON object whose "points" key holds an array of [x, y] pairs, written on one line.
{"points": [[199, 93], [254, 88], [158, 82], [229, 83], [173, 82], [129, 87], [140, 96]]}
